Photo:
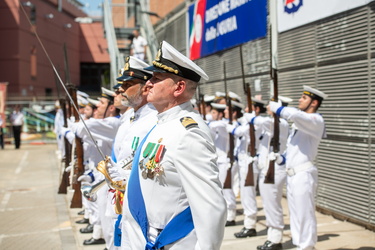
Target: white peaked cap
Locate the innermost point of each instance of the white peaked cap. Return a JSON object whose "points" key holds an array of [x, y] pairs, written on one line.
{"points": [[314, 93], [81, 100], [109, 94], [219, 94], [208, 98], [237, 104], [233, 95], [57, 103], [83, 94], [285, 99], [170, 60], [134, 68], [218, 106], [93, 102], [256, 100]]}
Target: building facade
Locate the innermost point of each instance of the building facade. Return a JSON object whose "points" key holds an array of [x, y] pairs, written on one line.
{"points": [[23, 61]]}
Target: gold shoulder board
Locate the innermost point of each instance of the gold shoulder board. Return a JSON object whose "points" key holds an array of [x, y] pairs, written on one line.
{"points": [[188, 122]]}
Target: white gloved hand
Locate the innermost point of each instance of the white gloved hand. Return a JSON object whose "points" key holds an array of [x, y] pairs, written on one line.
{"points": [[273, 106], [230, 128], [276, 157], [85, 179], [252, 159], [68, 168], [116, 173]]}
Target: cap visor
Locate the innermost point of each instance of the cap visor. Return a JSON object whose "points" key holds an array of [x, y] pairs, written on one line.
{"points": [[125, 78], [117, 86]]}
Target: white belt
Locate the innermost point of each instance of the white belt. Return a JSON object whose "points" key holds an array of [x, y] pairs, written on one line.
{"points": [[300, 168]]}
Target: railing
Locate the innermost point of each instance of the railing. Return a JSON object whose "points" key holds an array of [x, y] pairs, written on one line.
{"points": [[147, 30], [117, 60]]}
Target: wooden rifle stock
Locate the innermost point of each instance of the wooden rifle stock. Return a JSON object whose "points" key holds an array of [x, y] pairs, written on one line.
{"points": [[270, 175], [202, 105], [78, 166], [63, 189], [249, 180], [228, 178]]}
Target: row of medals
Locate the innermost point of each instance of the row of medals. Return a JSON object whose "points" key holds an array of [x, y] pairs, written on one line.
{"points": [[150, 168]]}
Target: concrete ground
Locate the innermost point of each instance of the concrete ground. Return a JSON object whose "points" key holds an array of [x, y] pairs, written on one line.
{"points": [[34, 216]]}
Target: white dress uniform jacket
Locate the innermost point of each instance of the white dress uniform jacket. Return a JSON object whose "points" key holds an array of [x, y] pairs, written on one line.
{"points": [[190, 178], [272, 193], [302, 180]]}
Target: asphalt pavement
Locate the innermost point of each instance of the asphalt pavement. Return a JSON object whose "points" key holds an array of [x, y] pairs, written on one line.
{"points": [[34, 216]]}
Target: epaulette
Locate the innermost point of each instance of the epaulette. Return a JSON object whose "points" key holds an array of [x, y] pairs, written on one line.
{"points": [[188, 122]]}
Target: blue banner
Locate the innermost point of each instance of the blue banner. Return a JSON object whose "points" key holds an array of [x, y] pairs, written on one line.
{"points": [[216, 25]]}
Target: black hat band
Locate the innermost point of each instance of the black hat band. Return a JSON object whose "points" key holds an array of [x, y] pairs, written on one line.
{"points": [[312, 95]]}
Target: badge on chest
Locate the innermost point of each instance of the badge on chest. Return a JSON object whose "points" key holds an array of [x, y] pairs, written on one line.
{"points": [[152, 156]]}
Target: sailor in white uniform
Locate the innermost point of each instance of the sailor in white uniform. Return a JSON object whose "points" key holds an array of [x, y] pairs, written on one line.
{"points": [[219, 132], [240, 129], [103, 130], [271, 194], [134, 93], [302, 148], [173, 197]]}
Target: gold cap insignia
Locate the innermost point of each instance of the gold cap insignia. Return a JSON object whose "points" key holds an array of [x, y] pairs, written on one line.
{"points": [[127, 66], [158, 55]]}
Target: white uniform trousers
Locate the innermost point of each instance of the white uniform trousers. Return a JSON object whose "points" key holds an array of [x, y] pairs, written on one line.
{"points": [[248, 195], [228, 194], [104, 220], [271, 195], [109, 218], [301, 201]]}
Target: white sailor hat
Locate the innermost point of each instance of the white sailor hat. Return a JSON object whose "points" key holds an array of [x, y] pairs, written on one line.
{"points": [[237, 104], [109, 94], [218, 106], [82, 102], [134, 69], [219, 94], [258, 102], [314, 93], [234, 96], [92, 102], [57, 104], [194, 102], [170, 60], [209, 98], [285, 100], [83, 94]]}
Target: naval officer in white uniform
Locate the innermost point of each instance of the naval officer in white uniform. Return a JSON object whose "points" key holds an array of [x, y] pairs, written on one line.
{"points": [[174, 197], [307, 131]]}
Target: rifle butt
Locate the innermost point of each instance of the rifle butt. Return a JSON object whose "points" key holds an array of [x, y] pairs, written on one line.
{"points": [[77, 198], [228, 179], [63, 189], [270, 176], [249, 181]]}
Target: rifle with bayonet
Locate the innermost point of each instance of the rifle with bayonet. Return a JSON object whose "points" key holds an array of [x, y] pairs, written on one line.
{"points": [[63, 188], [201, 104], [65, 175], [270, 176], [76, 203], [78, 167], [228, 178], [249, 181]]}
